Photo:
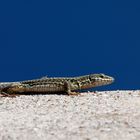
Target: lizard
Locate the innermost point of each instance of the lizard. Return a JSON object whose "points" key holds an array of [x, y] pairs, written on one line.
{"points": [[69, 85]]}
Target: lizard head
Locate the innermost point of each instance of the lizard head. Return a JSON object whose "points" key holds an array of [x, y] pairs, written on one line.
{"points": [[100, 79]]}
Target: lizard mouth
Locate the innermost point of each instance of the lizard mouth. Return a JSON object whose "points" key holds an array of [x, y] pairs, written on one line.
{"points": [[99, 82], [105, 81]]}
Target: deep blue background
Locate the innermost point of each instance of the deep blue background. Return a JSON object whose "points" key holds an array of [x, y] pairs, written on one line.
{"points": [[70, 38]]}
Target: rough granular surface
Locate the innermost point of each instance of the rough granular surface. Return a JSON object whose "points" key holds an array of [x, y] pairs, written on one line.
{"points": [[106, 115]]}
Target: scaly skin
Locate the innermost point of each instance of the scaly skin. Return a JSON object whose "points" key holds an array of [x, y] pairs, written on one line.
{"points": [[58, 84]]}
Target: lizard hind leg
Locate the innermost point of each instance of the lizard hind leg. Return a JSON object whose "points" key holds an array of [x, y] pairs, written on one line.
{"points": [[11, 90], [67, 86], [6, 94]]}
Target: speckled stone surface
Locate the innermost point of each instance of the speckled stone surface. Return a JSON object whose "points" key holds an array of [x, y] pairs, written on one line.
{"points": [[108, 115]]}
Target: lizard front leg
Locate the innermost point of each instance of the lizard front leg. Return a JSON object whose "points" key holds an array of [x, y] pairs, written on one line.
{"points": [[68, 86]]}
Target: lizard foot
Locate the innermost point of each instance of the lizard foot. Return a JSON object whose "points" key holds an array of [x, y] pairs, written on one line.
{"points": [[73, 93], [4, 94]]}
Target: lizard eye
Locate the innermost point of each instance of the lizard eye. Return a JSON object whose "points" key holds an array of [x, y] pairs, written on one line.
{"points": [[101, 76]]}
